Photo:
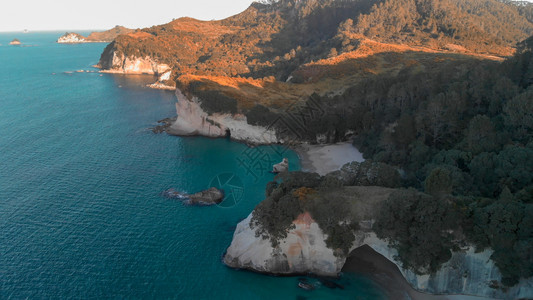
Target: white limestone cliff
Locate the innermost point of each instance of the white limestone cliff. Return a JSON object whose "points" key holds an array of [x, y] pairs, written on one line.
{"points": [[193, 120], [119, 64], [304, 251]]}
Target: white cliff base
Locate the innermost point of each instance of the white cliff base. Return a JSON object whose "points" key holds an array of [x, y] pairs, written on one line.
{"points": [[193, 120], [135, 65], [304, 251]]}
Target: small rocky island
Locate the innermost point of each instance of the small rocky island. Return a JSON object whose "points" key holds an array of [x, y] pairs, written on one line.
{"points": [[208, 197], [15, 42]]}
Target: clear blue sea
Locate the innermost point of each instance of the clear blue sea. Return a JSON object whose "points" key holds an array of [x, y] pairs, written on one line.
{"points": [[81, 176]]}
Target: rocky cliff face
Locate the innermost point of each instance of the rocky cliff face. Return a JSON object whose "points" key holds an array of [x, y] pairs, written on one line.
{"points": [[193, 120], [304, 251], [117, 62], [467, 272]]}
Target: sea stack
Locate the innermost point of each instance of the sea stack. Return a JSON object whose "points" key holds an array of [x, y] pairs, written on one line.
{"points": [[15, 42], [281, 167]]}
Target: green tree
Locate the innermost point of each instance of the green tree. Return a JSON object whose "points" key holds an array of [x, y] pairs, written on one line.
{"points": [[519, 115], [439, 183], [418, 226], [480, 135]]}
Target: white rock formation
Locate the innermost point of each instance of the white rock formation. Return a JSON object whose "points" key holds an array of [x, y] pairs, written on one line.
{"points": [[304, 251], [71, 38], [193, 120], [134, 65], [281, 167]]}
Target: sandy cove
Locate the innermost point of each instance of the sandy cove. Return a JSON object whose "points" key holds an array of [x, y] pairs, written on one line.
{"points": [[323, 159]]}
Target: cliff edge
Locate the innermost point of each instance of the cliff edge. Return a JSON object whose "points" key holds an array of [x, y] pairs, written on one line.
{"points": [[306, 248]]}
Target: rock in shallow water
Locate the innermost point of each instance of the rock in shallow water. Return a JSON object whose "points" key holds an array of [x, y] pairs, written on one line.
{"points": [[281, 167], [163, 125], [208, 197]]}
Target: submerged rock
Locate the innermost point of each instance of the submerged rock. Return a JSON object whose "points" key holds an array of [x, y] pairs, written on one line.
{"points": [[173, 194], [163, 125], [306, 286], [330, 284], [208, 197]]}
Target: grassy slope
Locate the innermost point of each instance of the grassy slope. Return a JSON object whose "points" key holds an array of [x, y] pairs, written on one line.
{"points": [[325, 46]]}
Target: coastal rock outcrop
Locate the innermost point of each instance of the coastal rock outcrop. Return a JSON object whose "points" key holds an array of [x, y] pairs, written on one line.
{"points": [[71, 38], [116, 62], [193, 120], [304, 250], [281, 167], [212, 196]]}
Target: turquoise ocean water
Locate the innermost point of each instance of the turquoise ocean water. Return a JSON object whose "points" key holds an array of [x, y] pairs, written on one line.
{"points": [[81, 176]]}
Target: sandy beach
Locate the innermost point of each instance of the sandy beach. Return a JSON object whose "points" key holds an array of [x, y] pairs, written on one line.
{"points": [[323, 159]]}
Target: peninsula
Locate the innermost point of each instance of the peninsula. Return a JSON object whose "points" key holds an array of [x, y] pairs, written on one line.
{"points": [[95, 37]]}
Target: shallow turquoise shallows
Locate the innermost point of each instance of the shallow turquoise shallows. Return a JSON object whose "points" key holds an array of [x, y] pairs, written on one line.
{"points": [[81, 177]]}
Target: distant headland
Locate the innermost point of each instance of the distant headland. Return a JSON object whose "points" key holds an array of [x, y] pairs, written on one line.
{"points": [[95, 37]]}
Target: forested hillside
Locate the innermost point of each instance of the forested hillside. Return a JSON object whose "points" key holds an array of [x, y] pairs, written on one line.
{"points": [[462, 135], [441, 90], [278, 37]]}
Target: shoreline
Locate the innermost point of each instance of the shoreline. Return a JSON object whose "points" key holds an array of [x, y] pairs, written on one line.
{"points": [[323, 159]]}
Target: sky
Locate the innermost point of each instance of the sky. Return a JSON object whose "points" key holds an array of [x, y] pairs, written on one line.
{"points": [[37, 15]]}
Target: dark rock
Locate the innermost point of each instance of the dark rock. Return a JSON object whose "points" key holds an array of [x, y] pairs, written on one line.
{"points": [[306, 286], [163, 125], [330, 284], [211, 196]]}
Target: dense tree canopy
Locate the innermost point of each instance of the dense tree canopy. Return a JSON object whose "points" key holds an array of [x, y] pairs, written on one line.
{"points": [[461, 132]]}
